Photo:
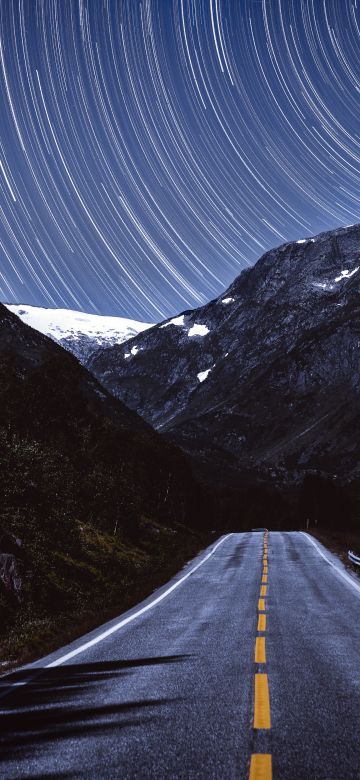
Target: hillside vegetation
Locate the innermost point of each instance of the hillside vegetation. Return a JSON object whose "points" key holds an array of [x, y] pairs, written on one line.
{"points": [[95, 507]]}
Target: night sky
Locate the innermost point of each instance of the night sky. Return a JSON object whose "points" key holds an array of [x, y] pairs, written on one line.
{"points": [[150, 150]]}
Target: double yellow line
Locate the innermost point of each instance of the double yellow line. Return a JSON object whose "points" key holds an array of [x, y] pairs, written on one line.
{"points": [[261, 763]]}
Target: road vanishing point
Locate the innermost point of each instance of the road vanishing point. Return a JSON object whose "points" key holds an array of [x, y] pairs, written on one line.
{"points": [[245, 665]]}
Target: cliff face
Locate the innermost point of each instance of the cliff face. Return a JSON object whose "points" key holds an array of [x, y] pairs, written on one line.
{"points": [[266, 377]]}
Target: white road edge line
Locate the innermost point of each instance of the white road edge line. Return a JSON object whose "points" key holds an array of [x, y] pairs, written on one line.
{"points": [[135, 615], [338, 571]]}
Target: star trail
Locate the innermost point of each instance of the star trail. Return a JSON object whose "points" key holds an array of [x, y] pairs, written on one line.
{"points": [[149, 151]]}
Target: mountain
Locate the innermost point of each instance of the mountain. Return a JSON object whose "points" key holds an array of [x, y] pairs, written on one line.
{"points": [[80, 333], [92, 500], [264, 379]]}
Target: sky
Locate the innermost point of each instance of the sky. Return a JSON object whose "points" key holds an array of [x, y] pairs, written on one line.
{"points": [[152, 149]]}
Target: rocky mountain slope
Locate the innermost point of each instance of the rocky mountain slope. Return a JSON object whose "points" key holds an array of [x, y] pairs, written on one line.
{"points": [[91, 498], [264, 379], [76, 331]]}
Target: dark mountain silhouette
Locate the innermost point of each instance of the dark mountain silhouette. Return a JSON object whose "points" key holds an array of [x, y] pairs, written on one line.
{"points": [[91, 498]]}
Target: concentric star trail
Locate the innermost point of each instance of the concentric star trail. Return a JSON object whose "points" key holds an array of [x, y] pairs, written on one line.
{"points": [[151, 149]]}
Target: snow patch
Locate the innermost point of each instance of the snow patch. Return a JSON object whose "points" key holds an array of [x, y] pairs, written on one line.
{"points": [[305, 240], [134, 350], [202, 375], [179, 321], [346, 274], [323, 285], [198, 330], [226, 301], [65, 323]]}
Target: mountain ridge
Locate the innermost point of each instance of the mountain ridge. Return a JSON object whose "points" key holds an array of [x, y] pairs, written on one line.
{"points": [[229, 379]]}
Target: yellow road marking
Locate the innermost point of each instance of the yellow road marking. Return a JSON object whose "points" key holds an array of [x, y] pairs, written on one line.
{"points": [[261, 605], [260, 652], [260, 766], [265, 569], [264, 578], [263, 590], [262, 702], [262, 623]]}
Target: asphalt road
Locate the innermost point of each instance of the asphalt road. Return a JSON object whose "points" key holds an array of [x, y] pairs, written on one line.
{"points": [[215, 677]]}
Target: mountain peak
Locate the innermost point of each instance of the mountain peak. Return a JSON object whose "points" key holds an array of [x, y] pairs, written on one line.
{"points": [[322, 261], [78, 332]]}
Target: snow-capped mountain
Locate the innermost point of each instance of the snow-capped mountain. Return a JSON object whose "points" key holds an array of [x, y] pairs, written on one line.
{"points": [[80, 333], [267, 376]]}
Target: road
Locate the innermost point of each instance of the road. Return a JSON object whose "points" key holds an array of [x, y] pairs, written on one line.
{"points": [[245, 665]]}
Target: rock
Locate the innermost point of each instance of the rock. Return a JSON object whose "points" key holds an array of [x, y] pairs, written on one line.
{"points": [[12, 575]]}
